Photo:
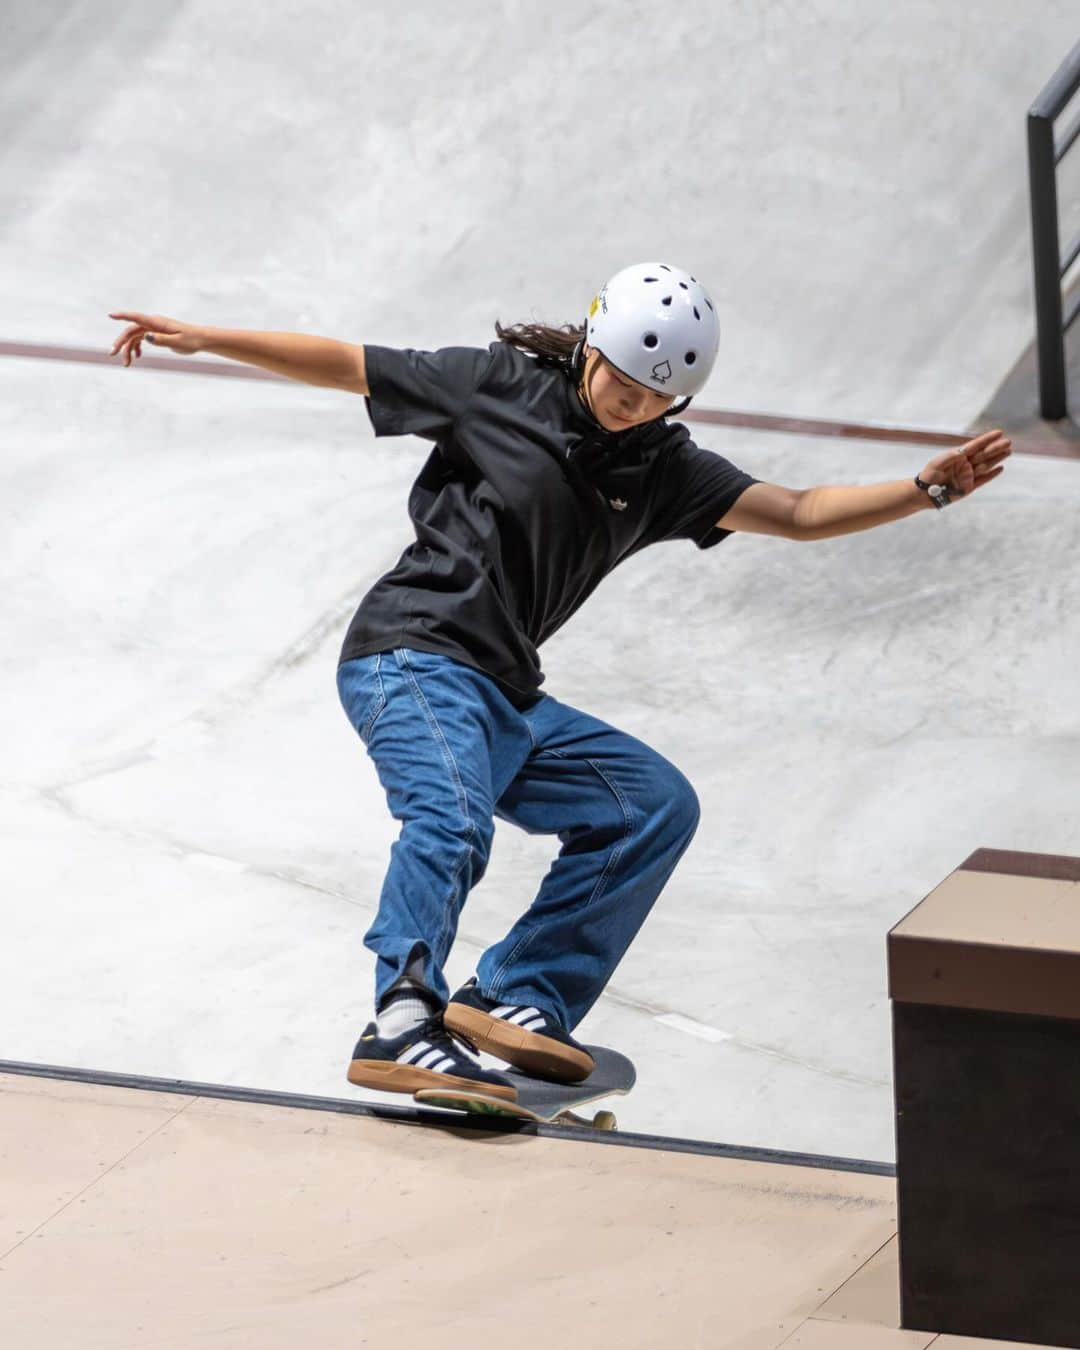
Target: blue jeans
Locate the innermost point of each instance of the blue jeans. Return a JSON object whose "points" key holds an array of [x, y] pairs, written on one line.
{"points": [[452, 753]]}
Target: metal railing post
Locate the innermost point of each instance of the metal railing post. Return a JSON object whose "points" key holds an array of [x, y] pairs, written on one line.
{"points": [[1044, 154], [1046, 252]]}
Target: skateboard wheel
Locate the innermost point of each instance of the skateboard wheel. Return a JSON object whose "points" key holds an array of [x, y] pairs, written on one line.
{"points": [[605, 1120]]}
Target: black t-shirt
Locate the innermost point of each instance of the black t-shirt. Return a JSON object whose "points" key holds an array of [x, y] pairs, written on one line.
{"points": [[523, 507]]}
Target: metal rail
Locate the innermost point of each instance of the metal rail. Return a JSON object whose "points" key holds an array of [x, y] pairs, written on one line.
{"points": [[1045, 153], [451, 1120]]}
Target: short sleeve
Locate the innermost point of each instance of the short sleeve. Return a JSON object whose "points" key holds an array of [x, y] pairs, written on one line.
{"points": [[418, 393], [696, 488]]}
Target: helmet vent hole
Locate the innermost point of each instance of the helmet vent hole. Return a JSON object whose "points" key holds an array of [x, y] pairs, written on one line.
{"points": [[665, 267], [696, 314], [694, 280], [709, 303], [666, 300], [684, 286], [651, 340], [652, 278], [690, 358]]}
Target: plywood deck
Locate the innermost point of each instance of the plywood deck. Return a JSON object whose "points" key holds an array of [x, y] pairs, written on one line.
{"points": [[136, 1218]]}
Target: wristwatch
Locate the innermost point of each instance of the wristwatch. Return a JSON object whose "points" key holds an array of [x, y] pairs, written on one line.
{"points": [[939, 494]]}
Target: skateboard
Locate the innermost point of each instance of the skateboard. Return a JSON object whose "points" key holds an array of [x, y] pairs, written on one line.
{"points": [[544, 1101]]}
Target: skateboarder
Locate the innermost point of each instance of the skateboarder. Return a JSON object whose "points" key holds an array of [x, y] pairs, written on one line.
{"points": [[554, 460]]}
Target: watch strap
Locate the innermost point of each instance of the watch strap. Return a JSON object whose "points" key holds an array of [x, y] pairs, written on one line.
{"points": [[937, 493]]}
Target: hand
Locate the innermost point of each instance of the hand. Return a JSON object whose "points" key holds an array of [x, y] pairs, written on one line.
{"points": [[971, 465], [159, 331]]}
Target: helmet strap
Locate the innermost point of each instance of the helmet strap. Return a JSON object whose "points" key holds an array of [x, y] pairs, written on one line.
{"points": [[577, 373], [577, 361]]}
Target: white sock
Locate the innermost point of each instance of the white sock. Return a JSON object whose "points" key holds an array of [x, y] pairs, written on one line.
{"points": [[405, 1010]]}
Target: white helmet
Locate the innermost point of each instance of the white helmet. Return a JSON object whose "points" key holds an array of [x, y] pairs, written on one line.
{"points": [[656, 324]]}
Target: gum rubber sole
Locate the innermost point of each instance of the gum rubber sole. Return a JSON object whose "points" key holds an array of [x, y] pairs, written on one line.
{"points": [[386, 1076], [525, 1050]]}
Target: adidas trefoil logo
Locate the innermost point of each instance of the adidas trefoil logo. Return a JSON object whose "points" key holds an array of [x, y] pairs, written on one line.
{"points": [[617, 504]]}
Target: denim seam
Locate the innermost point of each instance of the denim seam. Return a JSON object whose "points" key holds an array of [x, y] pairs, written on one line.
{"points": [[378, 702], [463, 797], [597, 891]]}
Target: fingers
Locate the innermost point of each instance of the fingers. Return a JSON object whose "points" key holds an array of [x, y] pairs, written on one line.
{"points": [[987, 450], [157, 329], [129, 340], [969, 466], [992, 454], [125, 341], [124, 336], [988, 463], [129, 343], [991, 444], [983, 440]]}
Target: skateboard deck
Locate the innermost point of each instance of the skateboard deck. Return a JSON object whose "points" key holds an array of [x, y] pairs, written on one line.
{"points": [[543, 1101]]}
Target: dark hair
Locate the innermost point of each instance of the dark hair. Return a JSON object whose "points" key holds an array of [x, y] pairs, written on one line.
{"points": [[554, 344], [556, 347]]}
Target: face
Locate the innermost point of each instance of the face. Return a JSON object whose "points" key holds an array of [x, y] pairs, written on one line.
{"points": [[616, 401]]}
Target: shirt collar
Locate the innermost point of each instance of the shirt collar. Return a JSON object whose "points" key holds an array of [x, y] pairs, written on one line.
{"points": [[624, 448]]}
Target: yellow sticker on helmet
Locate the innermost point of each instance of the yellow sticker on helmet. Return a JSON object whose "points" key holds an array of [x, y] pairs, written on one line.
{"points": [[594, 306]]}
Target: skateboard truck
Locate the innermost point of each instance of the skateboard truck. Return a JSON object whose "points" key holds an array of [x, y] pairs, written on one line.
{"points": [[543, 1101]]}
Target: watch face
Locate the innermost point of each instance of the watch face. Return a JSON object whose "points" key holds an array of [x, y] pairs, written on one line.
{"points": [[936, 490]]}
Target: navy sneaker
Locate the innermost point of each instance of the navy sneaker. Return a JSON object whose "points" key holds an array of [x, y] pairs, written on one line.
{"points": [[423, 1057], [529, 1039]]}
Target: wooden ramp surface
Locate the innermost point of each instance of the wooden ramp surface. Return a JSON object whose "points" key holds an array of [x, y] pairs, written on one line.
{"points": [[132, 1218]]}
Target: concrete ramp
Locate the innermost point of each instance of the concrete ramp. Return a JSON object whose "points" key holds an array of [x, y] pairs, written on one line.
{"points": [[134, 1217]]}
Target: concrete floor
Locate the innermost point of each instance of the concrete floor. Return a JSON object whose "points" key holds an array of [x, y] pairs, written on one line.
{"points": [[193, 838]]}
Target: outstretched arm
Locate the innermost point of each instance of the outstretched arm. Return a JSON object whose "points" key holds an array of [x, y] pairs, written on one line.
{"points": [[314, 360], [825, 512]]}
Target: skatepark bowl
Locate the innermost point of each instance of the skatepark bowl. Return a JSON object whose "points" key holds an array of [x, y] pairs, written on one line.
{"points": [[193, 846]]}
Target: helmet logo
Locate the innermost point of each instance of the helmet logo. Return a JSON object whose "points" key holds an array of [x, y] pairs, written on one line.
{"points": [[661, 372], [602, 297], [594, 306]]}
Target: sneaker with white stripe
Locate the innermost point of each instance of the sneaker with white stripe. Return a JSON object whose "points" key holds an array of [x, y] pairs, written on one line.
{"points": [[523, 1035], [422, 1057]]}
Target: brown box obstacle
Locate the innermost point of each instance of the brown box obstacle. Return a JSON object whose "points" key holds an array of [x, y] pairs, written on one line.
{"points": [[984, 975]]}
